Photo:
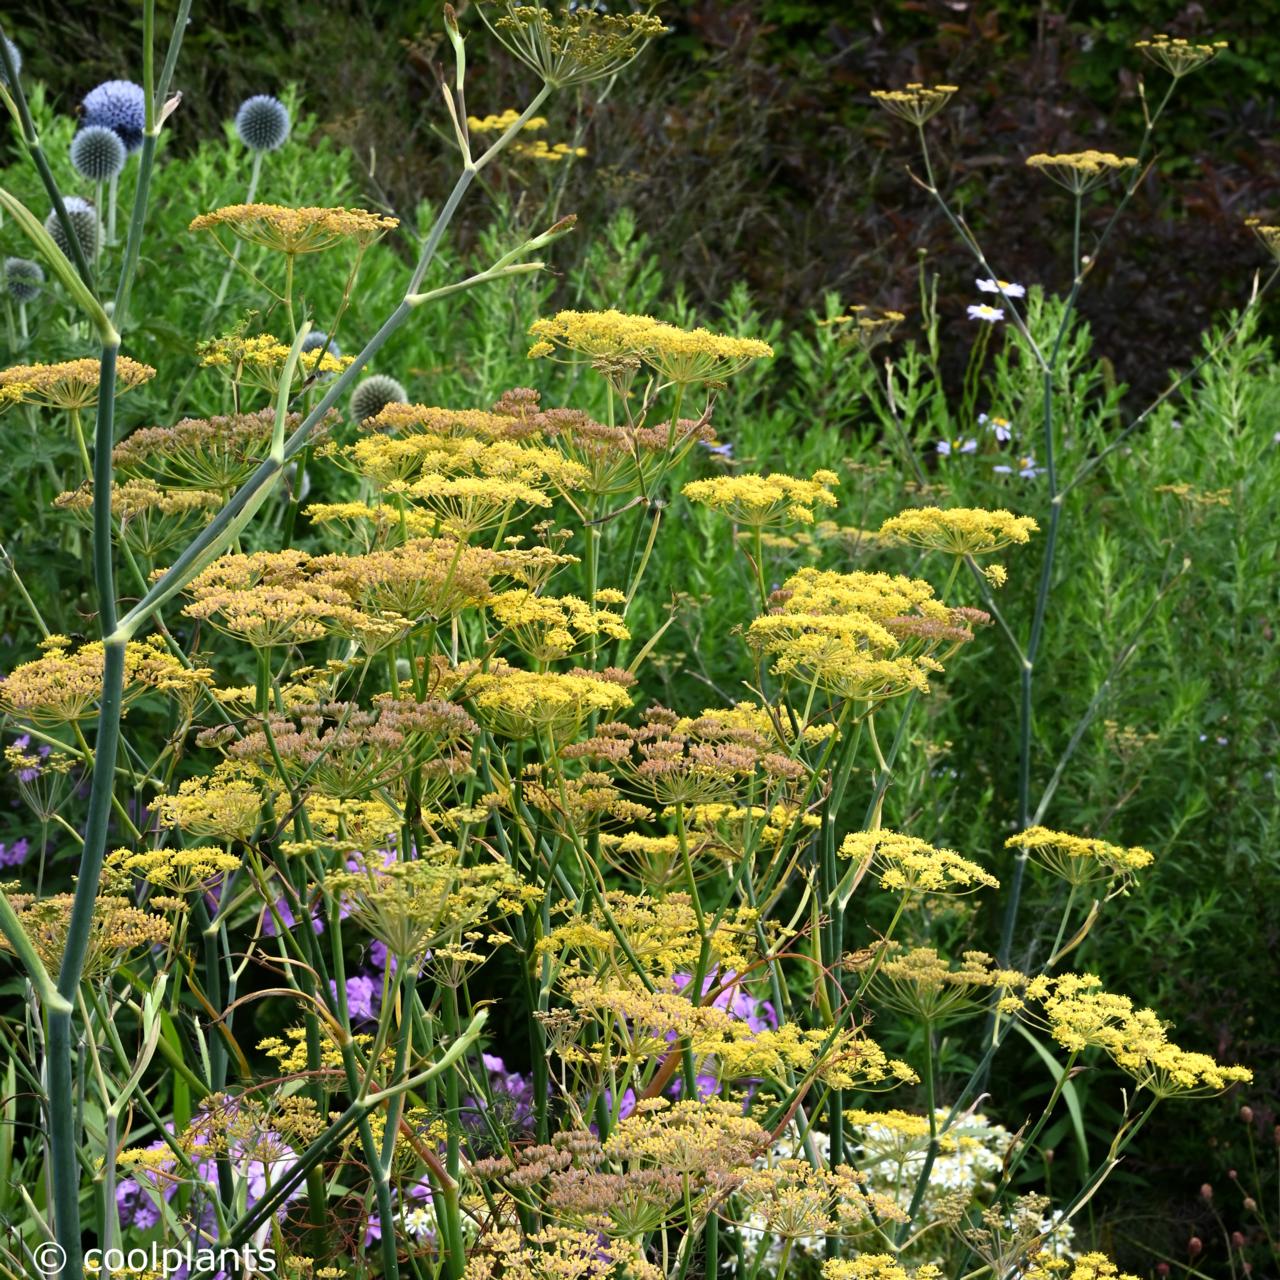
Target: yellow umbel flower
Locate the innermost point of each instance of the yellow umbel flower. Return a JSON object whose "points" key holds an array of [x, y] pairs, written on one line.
{"points": [[545, 628], [1080, 1014], [681, 356], [662, 935], [151, 519], [861, 636], [1081, 860], [176, 870], [429, 902], [557, 1253], [865, 326], [920, 983], [63, 686], [761, 501], [1177, 56], [793, 1200], [503, 121], [260, 359], [73, 384], [522, 704], [917, 102], [959, 531], [1081, 171], [118, 929], [295, 231], [910, 866], [877, 1266], [222, 805], [543, 152]]}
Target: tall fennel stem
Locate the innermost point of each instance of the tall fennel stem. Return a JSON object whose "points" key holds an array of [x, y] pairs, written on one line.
{"points": [[63, 1166], [1027, 674]]}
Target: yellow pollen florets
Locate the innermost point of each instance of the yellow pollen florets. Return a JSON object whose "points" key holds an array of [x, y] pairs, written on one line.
{"points": [[960, 531], [915, 103], [295, 231]]}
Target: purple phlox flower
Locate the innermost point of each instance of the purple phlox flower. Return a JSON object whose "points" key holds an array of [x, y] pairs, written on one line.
{"points": [[43, 751], [1025, 467], [364, 997], [285, 910], [510, 1101], [733, 998], [999, 427], [706, 1086], [985, 312], [946, 448], [15, 854]]}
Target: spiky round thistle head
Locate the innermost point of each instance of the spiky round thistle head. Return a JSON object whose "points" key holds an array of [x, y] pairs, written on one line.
{"points": [[97, 153], [262, 122], [84, 221], [23, 278], [316, 339], [374, 394], [16, 55], [119, 105]]}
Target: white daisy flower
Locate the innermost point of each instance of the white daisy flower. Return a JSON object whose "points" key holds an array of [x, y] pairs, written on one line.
{"points": [[1005, 287]]}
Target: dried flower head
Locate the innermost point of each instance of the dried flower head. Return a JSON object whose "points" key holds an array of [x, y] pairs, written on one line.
{"points": [[72, 384], [574, 46], [296, 231], [63, 686], [152, 519], [214, 454]]}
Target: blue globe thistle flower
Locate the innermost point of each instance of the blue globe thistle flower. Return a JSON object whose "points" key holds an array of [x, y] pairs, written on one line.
{"points": [[84, 221], [318, 340], [97, 153], [23, 278], [119, 105], [374, 394], [16, 55], [262, 122]]}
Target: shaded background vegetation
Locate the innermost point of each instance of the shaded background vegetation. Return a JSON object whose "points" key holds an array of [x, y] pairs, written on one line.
{"points": [[748, 148], [747, 142]]}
